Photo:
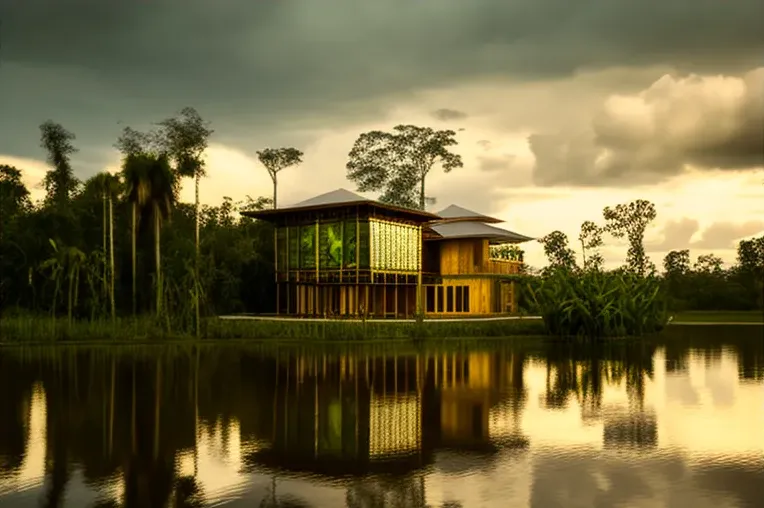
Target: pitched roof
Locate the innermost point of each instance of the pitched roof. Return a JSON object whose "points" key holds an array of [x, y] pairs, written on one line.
{"points": [[455, 212], [450, 230], [339, 198], [335, 197]]}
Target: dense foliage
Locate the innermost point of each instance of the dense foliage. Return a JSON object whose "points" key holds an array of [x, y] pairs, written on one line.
{"points": [[88, 244], [586, 300], [122, 244]]}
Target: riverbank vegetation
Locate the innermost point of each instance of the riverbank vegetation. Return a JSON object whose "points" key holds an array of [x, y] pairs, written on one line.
{"points": [[120, 255], [584, 299], [30, 329]]}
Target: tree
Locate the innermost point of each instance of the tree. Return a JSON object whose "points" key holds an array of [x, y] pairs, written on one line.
{"points": [[676, 263], [631, 221], [557, 251], [109, 187], [185, 139], [135, 167], [750, 257], [709, 263], [14, 196], [397, 163], [59, 182], [276, 159], [591, 240], [160, 201]]}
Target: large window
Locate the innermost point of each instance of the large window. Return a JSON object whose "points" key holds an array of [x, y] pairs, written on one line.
{"points": [[308, 247], [447, 299], [293, 241], [349, 244], [281, 249]]}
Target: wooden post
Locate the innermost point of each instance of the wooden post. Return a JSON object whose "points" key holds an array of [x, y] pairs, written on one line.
{"points": [[316, 240], [419, 308], [384, 297], [276, 264]]}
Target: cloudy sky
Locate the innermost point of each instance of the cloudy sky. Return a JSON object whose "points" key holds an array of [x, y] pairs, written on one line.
{"points": [[566, 107]]}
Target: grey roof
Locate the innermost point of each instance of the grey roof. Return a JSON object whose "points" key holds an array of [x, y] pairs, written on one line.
{"points": [[458, 212], [335, 197], [478, 230]]}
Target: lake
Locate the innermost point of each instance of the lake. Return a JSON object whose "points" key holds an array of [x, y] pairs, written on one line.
{"points": [[672, 421]]}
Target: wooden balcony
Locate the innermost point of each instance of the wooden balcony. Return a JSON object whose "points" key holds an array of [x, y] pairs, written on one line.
{"points": [[501, 267]]}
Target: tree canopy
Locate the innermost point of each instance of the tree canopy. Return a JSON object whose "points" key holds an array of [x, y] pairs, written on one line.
{"points": [[397, 163]]}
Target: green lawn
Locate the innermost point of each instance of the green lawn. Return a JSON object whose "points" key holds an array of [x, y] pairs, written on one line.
{"points": [[755, 316]]}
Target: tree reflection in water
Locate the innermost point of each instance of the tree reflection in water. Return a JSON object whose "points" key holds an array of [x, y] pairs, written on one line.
{"points": [[374, 421]]}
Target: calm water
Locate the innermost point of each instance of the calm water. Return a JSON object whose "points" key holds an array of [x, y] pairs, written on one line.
{"points": [[678, 422]]}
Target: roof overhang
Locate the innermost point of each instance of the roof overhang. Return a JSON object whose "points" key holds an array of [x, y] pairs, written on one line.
{"points": [[474, 230], [274, 214]]}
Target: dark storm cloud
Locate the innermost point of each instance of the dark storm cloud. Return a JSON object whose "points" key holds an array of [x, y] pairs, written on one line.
{"points": [[261, 68]]}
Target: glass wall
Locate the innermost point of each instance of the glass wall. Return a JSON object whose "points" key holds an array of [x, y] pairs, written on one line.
{"points": [[341, 245], [394, 247]]}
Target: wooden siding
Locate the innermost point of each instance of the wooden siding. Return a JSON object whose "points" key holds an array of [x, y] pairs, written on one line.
{"points": [[480, 297], [486, 296], [472, 256]]}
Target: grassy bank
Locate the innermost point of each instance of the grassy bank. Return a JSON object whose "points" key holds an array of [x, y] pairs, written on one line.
{"points": [[45, 329], [754, 316]]}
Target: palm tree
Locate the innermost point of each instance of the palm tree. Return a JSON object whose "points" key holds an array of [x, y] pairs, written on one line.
{"points": [[135, 171], [66, 261], [109, 186], [185, 139], [161, 199]]}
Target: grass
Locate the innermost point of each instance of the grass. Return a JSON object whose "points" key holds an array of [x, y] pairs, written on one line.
{"points": [[722, 316], [41, 329]]}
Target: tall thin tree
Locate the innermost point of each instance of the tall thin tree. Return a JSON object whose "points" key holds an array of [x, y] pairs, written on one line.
{"points": [[185, 138], [134, 146], [277, 159]]}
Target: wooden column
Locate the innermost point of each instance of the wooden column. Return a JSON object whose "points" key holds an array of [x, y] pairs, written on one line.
{"points": [[317, 238], [419, 307]]}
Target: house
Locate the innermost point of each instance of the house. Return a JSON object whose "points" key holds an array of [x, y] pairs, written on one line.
{"points": [[343, 255]]}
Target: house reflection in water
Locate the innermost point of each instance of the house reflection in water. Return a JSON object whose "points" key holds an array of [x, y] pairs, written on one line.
{"points": [[351, 415]]}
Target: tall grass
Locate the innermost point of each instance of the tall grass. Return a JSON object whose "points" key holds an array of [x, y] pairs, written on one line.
{"points": [[28, 329], [595, 304]]}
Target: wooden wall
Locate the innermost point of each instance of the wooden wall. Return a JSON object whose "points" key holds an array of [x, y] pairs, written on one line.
{"points": [[480, 296], [462, 256], [470, 255]]}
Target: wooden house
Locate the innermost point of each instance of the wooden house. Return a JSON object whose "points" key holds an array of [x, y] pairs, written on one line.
{"points": [[342, 255]]}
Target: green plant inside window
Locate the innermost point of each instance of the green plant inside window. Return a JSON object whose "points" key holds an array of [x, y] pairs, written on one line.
{"points": [[308, 246]]}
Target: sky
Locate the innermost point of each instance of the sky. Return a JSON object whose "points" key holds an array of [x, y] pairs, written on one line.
{"points": [[561, 108]]}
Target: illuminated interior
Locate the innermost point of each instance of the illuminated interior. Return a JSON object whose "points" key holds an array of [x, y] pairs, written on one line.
{"points": [[394, 246]]}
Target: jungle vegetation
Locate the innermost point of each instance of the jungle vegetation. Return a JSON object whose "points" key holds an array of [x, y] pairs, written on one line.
{"points": [[583, 299], [122, 245]]}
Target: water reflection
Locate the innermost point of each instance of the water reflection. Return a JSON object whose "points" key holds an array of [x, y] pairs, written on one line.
{"points": [[671, 422]]}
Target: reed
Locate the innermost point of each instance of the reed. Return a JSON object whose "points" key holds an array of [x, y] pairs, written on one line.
{"points": [[36, 329]]}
